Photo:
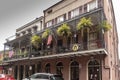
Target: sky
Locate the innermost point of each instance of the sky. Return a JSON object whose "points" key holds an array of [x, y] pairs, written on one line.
{"points": [[16, 13]]}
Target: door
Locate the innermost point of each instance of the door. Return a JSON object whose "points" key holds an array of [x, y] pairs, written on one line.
{"points": [[93, 70]]}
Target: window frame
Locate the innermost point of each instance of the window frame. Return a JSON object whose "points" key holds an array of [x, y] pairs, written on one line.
{"points": [[49, 23], [57, 20], [91, 3]]}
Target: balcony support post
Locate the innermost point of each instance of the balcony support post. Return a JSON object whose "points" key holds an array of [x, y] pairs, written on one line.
{"points": [[19, 43], [102, 34]]}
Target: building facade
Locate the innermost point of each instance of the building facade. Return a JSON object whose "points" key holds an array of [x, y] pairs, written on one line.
{"points": [[85, 54]]}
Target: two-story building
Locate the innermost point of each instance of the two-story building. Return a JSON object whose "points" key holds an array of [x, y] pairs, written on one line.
{"points": [[87, 54]]}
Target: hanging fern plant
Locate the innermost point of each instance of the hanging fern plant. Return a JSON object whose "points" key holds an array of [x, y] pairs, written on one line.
{"points": [[35, 40], [64, 30], [46, 33], [84, 22], [105, 26]]}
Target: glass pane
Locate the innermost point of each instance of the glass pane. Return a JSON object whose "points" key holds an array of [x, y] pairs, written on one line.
{"points": [[94, 70], [92, 5], [74, 71]]}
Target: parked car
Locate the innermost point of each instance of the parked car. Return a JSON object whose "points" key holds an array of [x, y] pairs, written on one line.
{"points": [[6, 77], [44, 76], [10, 77]]}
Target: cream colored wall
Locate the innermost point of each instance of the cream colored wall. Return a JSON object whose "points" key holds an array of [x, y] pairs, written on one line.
{"points": [[32, 25], [37, 23], [63, 8]]}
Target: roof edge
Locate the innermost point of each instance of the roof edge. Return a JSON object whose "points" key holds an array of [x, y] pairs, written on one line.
{"points": [[54, 5]]}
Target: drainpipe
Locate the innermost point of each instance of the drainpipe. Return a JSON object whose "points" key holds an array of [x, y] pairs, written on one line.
{"points": [[102, 33]]}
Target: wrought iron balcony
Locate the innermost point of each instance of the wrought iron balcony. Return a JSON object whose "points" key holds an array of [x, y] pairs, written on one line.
{"points": [[59, 50], [68, 49]]}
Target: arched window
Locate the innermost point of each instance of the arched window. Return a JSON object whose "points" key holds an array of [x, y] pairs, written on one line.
{"points": [[93, 70], [47, 68], [59, 68], [74, 70]]}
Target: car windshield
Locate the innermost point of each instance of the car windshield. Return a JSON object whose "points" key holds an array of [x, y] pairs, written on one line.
{"points": [[39, 76], [57, 77], [2, 75]]}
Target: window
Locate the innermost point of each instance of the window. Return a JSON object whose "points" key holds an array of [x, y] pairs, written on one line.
{"points": [[23, 32], [50, 11], [33, 69], [60, 18], [26, 71], [99, 3], [39, 67], [74, 71], [93, 70], [17, 34], [85, 8], [92, 5], [29, 30], [75, 13], [60, 43], [59, 68], [21, 68], [68, 42], [47, 68], [48, 24], [93, 36], [15, 71], [75, 38], [35, 29], [80, 10]]}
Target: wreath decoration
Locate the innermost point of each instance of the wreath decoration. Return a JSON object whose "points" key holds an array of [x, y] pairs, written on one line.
{"points": [[75, 47]]}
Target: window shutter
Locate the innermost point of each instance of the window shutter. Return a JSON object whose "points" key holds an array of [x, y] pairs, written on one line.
{"points": [[55, 20], [85, 8], [45, 25], [69, 15], [64, 17], [52, 21], [80, 10], [99, 3]]}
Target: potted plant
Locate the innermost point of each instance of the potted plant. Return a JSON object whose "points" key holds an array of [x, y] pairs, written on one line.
{"points": [[64, 30], [46, 33], [84, 23], [36, 40], [105, 26]]}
